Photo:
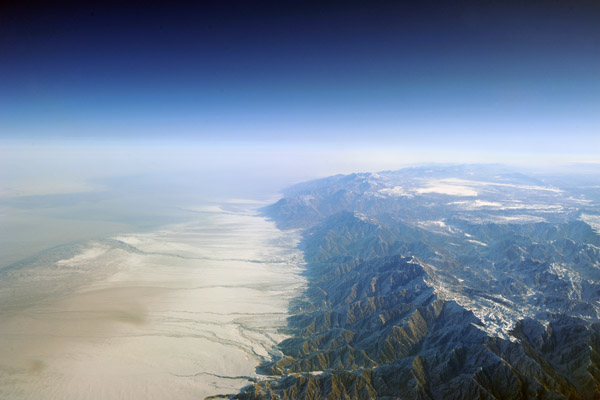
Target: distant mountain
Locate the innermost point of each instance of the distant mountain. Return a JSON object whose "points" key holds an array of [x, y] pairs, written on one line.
{"points": [[455, 282]]}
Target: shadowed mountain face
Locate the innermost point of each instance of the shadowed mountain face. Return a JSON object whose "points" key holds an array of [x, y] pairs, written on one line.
{"points": [[453, 283]]}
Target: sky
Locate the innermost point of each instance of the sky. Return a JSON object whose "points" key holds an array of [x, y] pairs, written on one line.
{"points": [[117, 116], [338, 85]]}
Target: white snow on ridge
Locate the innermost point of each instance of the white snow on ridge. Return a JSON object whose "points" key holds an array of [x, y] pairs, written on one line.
{"points": [[497, 319], [438, 226], [592, 220], [521, 219], [476, 204], [477, 242], [396, 191]]}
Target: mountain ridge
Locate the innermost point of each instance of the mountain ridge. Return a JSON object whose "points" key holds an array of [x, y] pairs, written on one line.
{"points": [[432, 283]]}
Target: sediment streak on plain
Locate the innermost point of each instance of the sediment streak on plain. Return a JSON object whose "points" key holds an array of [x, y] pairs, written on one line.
{"points": [[183, 312]]}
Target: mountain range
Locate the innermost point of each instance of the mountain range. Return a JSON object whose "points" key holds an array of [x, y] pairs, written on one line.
{"points": [[460, 282]]}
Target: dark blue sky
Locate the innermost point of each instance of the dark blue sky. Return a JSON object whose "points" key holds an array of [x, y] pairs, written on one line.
{"points": [[486, 74]]}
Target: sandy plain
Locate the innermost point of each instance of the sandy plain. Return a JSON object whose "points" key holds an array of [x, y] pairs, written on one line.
{"points": [[183, 312]]}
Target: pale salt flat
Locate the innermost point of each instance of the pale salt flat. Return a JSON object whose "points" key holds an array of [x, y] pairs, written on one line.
{"points": [[184, 312], [448, 189], [470, 183]]}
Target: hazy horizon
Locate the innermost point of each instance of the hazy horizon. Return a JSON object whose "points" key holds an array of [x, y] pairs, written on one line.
{"points": [[249, 98]]}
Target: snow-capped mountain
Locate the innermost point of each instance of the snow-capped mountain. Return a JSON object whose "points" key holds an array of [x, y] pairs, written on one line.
{"points": [[455, 282]]}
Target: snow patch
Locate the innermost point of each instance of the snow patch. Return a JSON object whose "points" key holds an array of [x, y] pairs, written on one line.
{"points": [[396, 191], [592, 220]]}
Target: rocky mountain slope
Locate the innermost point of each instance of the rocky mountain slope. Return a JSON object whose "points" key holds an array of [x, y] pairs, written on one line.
{"points": [[442, 283]]}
